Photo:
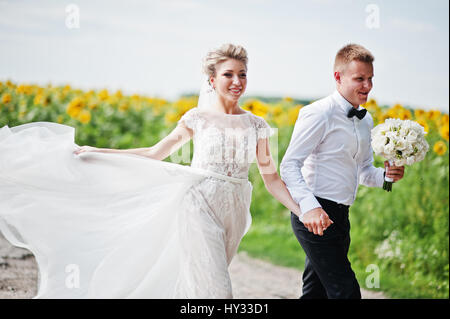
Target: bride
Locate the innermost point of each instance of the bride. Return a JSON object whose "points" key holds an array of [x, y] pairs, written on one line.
{"points": [[111, 223]]}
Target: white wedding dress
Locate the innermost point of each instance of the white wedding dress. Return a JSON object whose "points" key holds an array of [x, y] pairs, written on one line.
{"points": [[108, 225]]}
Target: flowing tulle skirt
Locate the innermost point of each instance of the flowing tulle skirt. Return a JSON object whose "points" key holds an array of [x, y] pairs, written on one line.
{"points": [[116, 225]]}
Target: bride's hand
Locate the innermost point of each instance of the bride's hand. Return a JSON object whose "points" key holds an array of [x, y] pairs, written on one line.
{"points": [[84, 149]]}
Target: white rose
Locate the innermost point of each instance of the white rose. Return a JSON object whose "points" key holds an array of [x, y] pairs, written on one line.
{"points": [[378, 143], [412, 136], [408, 124], [409, 148], [419, 146], [377, 130], [391, 135], [389, 148], [410, 160], [405, 129], [400, 144]]}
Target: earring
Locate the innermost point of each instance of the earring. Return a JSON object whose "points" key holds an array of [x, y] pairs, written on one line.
{"points": [[211, 87]]}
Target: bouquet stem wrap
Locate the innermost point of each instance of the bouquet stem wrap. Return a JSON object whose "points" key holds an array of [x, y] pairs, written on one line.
{"points": [[387, 185]]}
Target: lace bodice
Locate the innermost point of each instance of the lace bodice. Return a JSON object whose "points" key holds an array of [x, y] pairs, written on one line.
{"points": [[225, 143]]}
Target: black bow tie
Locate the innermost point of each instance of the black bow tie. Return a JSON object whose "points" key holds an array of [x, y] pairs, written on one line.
{"points": [[359, 114]]}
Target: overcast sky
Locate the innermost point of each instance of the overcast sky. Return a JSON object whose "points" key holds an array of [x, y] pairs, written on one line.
{"points": [[155, 47]]}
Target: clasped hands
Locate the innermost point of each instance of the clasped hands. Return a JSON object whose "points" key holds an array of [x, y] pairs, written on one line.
{"points": [[317, 221]]}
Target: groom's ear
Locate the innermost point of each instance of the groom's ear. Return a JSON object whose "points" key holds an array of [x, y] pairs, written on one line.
{"points": [[337, 76]]}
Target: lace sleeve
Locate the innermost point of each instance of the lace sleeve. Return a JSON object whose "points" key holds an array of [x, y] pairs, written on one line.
{"points": [[263, 129], [189, 119]]}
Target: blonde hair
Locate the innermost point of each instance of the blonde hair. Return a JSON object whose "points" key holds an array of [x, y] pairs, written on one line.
{"points": [[349, 53], [221, 54]]}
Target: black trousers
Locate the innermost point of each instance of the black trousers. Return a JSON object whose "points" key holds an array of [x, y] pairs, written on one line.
{"points": [[328, 273]]}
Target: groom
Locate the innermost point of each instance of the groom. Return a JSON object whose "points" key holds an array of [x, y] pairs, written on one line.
{"points": [[329, 155]]}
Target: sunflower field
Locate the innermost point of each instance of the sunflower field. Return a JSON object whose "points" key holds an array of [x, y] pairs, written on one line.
{"points": [[404, 234]]}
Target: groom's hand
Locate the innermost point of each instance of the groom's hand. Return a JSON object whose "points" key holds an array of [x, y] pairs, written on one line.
{"points": [[317, 220], [394, 172]]}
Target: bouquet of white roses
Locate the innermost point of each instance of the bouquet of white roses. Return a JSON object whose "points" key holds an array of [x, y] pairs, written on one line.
{"points": [[400, 142]]}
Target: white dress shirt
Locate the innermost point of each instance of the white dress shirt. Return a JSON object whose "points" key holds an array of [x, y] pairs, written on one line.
{"points": [[329, 154]]}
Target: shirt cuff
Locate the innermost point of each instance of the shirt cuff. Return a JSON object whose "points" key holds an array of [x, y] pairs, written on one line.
{"points": [[380, 177], [307, 204]]}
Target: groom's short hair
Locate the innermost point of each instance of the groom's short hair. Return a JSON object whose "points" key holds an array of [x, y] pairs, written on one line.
{"points": [[349, 53]]}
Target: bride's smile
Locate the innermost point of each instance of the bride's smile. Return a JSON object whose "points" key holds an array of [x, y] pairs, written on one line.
{"points": [[236, 91]]}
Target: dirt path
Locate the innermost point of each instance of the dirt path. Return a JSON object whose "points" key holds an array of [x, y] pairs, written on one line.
{"points": [[251, 278], [254, 278]]}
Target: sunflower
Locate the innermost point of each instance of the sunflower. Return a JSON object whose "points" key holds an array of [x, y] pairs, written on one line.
{"points": [[103, 95], [276, 110], [371, 105], [84, 116], [382, 117], [171, 117], [6, 98], [433, 114], [75, 106], [444, 131], [440, 148], [419, 113], [123, 107]]}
